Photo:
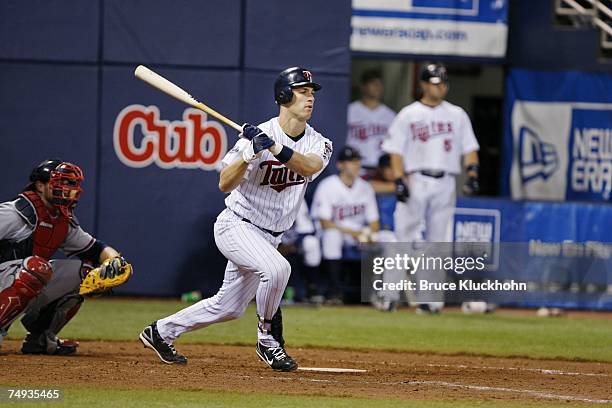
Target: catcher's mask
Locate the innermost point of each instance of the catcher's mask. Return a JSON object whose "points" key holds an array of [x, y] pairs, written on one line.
{"points": [[64, 183]]}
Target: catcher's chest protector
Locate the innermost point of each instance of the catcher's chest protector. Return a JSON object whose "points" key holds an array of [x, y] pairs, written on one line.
{"points": [[49, 232]]}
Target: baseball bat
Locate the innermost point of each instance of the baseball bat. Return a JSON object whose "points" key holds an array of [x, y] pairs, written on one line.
{"points": [[161, 83]]}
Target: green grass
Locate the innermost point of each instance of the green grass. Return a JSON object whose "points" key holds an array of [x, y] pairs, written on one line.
{"points": [[365, 328], [86, 397]]}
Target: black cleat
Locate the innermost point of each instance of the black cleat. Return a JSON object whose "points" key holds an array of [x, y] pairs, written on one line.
{"points": [[276, 357], [42, 344], [166, 352]]}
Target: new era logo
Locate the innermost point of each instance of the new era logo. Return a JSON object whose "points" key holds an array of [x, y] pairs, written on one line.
{"points": [[536, 158]]}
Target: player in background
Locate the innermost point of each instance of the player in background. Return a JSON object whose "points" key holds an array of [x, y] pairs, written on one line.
{"points": [[369, 120], [33, 226], [266, 174], [345, 206], [427, 142]]}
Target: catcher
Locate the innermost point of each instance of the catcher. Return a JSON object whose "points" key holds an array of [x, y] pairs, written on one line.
{"points": [[33, 226]]}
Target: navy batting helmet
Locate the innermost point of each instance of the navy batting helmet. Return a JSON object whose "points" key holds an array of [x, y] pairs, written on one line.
{"points": [[292, 78], [434, 73]]}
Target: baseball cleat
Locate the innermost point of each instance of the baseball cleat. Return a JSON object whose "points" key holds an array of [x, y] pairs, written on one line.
{"points": [[276, 357], [166, 352], [40, 344]]}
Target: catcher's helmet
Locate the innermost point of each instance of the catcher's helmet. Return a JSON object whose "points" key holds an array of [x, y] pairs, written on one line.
{"points": [[64, 180], [291, 78], [434, 73]]}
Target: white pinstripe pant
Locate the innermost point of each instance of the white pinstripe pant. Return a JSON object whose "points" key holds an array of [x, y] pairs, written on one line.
{"points": [[254, 268]]}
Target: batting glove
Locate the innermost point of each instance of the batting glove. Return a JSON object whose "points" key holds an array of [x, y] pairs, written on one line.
{"points": [[249, 131], [401, 190], [472, 186], [262, 142]]}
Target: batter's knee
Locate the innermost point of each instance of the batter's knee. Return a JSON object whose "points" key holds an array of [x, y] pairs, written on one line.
{"points": [[282, 271]]}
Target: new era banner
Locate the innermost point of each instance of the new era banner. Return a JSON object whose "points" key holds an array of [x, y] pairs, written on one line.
{"points": [[471, 28], [558, 138]]}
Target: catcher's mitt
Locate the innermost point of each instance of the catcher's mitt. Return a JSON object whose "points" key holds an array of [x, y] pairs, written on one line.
{"points": [[112, 272]]}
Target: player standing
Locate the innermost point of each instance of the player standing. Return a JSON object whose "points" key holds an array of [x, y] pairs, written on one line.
{"points": [[32, 227], [427, 141], [267, 173], [369, 120]]}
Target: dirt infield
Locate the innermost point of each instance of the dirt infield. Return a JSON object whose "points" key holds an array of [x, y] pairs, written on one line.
{"points": [[389, 375]]}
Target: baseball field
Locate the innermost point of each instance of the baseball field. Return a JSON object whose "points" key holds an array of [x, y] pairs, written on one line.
{"points": [[507, 359]]}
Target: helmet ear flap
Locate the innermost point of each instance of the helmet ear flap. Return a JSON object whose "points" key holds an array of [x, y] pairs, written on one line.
{"points": [[285, 96]]}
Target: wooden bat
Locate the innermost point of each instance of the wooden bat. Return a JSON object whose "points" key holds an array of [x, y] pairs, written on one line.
{"points": [[179, 93]]}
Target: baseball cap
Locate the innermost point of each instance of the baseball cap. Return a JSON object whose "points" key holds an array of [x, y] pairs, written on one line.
{"points": [[349, 153], [434, 73]]}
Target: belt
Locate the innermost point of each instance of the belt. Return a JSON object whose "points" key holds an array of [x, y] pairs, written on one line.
{"points": [[273, 233], [433, 173]]}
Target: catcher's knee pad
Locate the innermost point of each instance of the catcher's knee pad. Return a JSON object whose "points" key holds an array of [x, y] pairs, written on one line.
{"points": [[34, 274]]}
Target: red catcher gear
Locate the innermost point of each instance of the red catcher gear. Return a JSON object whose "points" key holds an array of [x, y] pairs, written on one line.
{"points": [[65, 184], [49, 232], [34, 274]]}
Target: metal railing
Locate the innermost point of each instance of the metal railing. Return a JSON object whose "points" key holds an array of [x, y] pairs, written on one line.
{"points": [[599, 13]]}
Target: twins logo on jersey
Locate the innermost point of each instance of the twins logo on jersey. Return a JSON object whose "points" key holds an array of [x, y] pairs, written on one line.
{"points": [[343, 211], [363, 132], [423, 131], [279, 177]]}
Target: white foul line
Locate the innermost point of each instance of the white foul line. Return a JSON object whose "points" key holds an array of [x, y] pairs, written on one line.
{"points": [[533, 393], [539, 394], [538, 370]]}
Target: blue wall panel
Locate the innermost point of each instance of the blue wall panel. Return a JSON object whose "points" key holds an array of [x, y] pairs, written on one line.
{"points": [[48, 111], [162, 218], [183, 32], [314, 34], [64, 30]]}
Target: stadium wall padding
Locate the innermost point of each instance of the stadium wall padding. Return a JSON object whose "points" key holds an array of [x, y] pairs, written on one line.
{"points": [[66, 80]]}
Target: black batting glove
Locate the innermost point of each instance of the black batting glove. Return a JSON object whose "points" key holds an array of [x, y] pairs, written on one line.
{"points": [[401, 190], [249, 131], [471, 186], [262, 142]]}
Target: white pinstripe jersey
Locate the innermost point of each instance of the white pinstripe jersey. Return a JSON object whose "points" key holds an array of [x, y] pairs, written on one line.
{"points": [[270, 194]]}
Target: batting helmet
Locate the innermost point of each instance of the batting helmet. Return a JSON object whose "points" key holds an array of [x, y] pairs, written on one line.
{"points": [[292, 78], [434, 73]]}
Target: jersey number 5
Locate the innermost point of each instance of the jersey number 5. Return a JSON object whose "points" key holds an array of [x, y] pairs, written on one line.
{"points": [[448, 145]]}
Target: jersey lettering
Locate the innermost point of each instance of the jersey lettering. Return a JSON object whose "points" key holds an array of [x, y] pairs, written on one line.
{"points": [[279, 177]]}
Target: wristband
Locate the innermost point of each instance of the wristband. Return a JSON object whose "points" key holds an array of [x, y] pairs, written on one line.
{"points": [[284, 155]]}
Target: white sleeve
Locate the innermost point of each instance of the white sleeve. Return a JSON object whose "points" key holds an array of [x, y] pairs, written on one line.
{"points": [[12, 226], [395, 140], [371, 206], [76, 241], [468, 138], [324, 149], [235, 153], [321, 204]]}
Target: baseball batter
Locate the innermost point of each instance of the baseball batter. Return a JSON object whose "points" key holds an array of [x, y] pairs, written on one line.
{"points": [[267, 173], [369, 120], [33, 226], [427, 140], [345, 206]]}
